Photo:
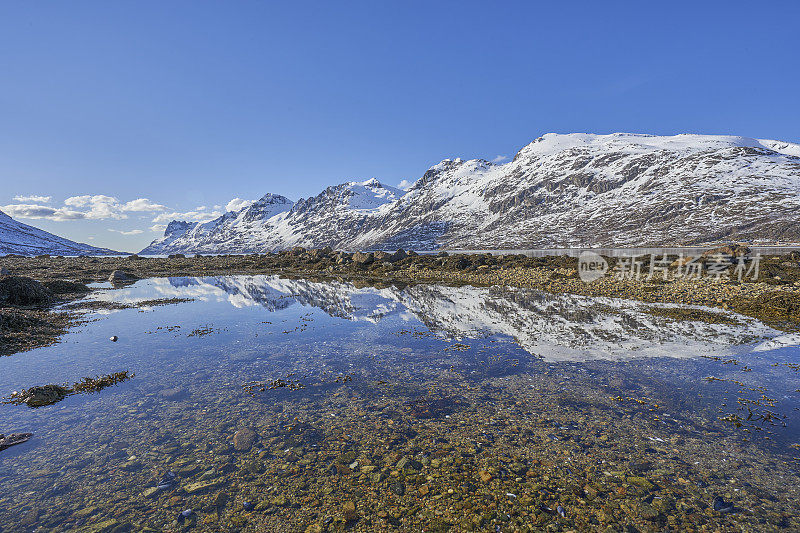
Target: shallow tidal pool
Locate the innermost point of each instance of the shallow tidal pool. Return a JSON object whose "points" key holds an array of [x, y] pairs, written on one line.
{"points": [[271, 404]]}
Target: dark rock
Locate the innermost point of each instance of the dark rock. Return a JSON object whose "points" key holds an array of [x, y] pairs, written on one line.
{"points": [[65, 287], [244, 439], [349, 512], [4, 271], [41, 396], [6, 441], [184, 515], [176, 256], [722, 506], [399, 255], [18, 290], [121, 275]]}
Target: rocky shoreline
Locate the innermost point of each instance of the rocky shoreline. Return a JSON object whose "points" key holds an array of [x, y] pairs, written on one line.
{"points": [[774, 296]]}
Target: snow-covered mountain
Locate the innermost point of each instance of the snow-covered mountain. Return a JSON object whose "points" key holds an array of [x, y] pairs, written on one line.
{"points": [[19, 238], [560, 190]]}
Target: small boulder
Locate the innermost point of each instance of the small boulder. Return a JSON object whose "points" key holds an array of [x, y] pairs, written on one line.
{"points": [[349, 512], [244, 439], [41, 396], [120, 275]]}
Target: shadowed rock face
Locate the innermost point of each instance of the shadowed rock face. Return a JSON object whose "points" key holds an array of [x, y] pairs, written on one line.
{"points": [[560, 190]]}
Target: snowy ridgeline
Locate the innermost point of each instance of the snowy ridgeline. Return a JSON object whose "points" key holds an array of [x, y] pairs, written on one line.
{"points": [[560, 190]]}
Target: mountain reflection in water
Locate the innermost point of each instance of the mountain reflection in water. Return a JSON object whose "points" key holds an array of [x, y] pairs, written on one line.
{"points": [[555, 327]]}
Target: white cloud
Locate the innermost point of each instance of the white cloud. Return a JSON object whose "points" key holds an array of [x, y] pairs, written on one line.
{"points": [[143, 204], [100, 206], [158, 228], [88, 206], [237, 204], [405, 185], [499, 159], [33, 199], [131, 232], [201, 214], [42, 211]]}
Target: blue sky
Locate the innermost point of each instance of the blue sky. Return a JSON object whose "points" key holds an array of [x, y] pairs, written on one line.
{"points": [[181, 105]]}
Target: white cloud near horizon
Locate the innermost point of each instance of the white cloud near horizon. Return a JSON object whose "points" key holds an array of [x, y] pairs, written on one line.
{"points": [[104, 207], [41, 211], [499, 159], [33, 199], [199, 214], [131, 232], [84, 207], [405, 185]]}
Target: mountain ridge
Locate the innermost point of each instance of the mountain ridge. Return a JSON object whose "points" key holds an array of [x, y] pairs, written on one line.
{"points": [[561, 190]]}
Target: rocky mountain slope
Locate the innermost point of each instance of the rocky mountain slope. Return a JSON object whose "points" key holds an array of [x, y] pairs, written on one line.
{"points": [[19, 238], [560, 190]]}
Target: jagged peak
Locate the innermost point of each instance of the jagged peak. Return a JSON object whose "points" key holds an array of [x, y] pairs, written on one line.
{"points": [[178, 226], [271, 198]]}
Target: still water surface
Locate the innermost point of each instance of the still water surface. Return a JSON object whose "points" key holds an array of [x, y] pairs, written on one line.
{"points": [[425, 406]]}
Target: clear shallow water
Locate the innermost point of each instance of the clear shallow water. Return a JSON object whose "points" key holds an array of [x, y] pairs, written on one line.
{"points": [[340, 383]]}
